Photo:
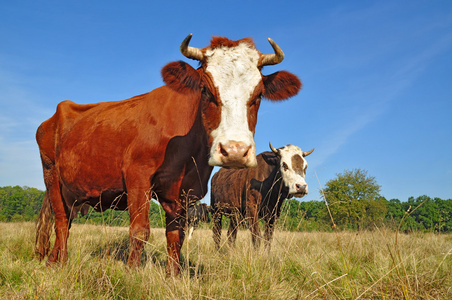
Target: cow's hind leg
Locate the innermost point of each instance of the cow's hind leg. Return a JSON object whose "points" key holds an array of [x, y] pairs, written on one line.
{"points": [[216, 229], [232, 231], [59, 251], [269, 229]]}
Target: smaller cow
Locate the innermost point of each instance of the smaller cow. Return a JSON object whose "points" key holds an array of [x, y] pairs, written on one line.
{"points": [[197, 213], [258, 193]]}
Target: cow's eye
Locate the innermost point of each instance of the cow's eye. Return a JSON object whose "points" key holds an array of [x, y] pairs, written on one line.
{"points": [[208, 96], [285, 167], [213, 100], [205, 91]]}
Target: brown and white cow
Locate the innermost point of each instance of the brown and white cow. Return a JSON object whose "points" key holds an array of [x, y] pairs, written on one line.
{"points": [[258, 193], [159, 145]]}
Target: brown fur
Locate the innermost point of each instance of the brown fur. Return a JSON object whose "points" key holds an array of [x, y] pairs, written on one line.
{"points": [[281, 85], [181, 77], [218, 41]]}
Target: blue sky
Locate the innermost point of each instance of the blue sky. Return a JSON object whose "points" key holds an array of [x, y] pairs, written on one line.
{"points": [[377, 77]]}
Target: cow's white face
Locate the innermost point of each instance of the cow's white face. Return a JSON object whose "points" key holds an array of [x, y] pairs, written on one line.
{"points": [[231, 86], [293, 170], [235, 76]]}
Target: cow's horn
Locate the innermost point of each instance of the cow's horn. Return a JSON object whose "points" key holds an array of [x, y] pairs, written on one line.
{"points": [[273, 148], [307, 153], [190, 52], [273, 59]]}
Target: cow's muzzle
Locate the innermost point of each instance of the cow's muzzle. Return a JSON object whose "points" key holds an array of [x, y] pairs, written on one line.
{"points": [[300, 190], [234, 154]]}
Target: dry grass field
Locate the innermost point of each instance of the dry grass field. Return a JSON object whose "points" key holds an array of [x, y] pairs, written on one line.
{"points": [[316, 265]]}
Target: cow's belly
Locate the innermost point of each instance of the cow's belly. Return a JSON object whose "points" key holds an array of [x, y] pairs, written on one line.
{"points": [[88, 176], [108, 199], [90, 163]]}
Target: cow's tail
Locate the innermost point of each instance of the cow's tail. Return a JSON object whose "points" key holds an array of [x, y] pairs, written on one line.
{"points": [[43, 226]]}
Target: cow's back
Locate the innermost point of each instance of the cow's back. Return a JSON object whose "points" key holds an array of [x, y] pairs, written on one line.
{"points": [[48, 132]]}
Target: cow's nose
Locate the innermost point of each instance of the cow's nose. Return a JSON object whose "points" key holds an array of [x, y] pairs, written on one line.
{"points": [[234, 150], [301, 188], [236, 154]]}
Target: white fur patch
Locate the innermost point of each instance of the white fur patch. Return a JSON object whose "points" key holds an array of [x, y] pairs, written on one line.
{"points": [[292, 175], [235, 75]]}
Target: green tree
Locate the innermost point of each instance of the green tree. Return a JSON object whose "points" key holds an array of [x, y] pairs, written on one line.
{"points": [[395, 213], [428, 214], [376, 211], [354, 200], [20, 203], [3, 199], [444, 215]]}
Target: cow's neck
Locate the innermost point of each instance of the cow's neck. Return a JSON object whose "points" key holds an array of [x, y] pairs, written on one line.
{"points": [[186, 159], [197, 168], [275, 189]]}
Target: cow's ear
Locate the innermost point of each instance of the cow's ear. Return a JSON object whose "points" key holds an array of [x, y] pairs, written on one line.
{"points": [[270, 158], [181, 77], [281, 85]]}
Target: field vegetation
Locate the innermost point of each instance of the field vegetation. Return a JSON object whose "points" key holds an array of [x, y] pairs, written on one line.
{"points": [[352, 244], [378, 264]]}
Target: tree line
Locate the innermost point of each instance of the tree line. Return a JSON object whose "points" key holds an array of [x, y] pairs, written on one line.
{"points": [[18, 204], [351, 201], [417, 214]]}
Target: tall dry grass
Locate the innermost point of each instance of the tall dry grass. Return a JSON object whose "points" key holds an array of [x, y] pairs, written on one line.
{"points": [[315, 265]]}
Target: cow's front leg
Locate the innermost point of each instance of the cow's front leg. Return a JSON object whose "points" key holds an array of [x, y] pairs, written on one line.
{"points": [[216, 229], [268, 235], [174, 239], [175, 224], [255, 230], [252, 213], [138, 205]]}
